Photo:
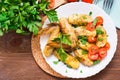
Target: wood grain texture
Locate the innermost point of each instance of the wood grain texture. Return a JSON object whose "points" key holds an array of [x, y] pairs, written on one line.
{"points": [[17, 62]]}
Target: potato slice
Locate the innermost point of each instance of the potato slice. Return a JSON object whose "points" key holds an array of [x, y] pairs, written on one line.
{"points": [[81, 31], [101, 38], [79, 19], [83, 57], [70, 60], [48, 50], [66, 28]]}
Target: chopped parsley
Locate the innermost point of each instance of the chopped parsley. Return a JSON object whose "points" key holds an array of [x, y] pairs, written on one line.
{"points": [[62, 54], [100, 39], [56, 62], [81, 71], [84, 52], [90, 13], [69, 66], [83, 39], [66, 71], [75, 26], [96, 62], [99, 31], [63, 39], [95, 21]]}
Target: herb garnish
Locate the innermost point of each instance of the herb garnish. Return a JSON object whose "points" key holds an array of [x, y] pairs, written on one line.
{"points": [[96, 62], [56, 62], [84, 52], [83, 39], [100, 39], [62, 54], [81, 71], [90, 13], [63, 38], [99, 31], [23, 16]]}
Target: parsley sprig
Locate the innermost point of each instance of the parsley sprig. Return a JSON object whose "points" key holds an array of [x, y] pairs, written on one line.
{"points": [[23, 16]]}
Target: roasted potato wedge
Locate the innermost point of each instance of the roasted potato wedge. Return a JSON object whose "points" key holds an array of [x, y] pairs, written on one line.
{"points": [[79, 19], [83, 57], [84, 46], [54, 33], [66, 28], [82, 31], [101, 38], [70, 60]]}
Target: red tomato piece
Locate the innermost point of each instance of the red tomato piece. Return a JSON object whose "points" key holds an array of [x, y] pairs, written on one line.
{"points": [[72, 0], [102, 52], [88, 1], [93, 56], [90, 26], [99, 20], [52, 3], [107, 46], [93, 49], [91, 39]]}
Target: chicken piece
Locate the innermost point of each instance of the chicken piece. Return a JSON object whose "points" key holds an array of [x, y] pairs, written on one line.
{"points": [[54, 33], [83, 57], [101, 38], [70, 60], [66, 28], [85, 46], [79, 19], [80, 31]]}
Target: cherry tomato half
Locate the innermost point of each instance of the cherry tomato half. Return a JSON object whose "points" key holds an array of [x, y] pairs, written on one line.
{"points": [[93, 56], [72, 0], [107, 46], [91, 39], [90, 26], [93, 49], [88, 1], [99, 20], [52, 3], [102, 52]]}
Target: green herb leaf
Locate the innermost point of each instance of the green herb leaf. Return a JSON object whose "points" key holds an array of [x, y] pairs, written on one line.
{"points": [[52, 15], [63, 39], [90, 13], [24, 15], [95, 21], [83, 39], [75, 26], [99, 31], [56, 62], [66, 71], [62, 54], [84, 52], [100, 39], [96, 62], [81, 71]]}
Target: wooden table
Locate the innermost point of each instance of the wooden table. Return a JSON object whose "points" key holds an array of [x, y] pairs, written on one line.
{"points": [[17, 62]]}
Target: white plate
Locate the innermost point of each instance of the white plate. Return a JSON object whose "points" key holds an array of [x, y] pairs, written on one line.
{"points": [[83, 8]]}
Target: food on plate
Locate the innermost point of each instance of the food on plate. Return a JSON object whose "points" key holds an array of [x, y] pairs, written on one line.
{"points": [[77, 39]]}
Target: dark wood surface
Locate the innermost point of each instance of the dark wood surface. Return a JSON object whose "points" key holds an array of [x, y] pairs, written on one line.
{"points": [[17, 62]]}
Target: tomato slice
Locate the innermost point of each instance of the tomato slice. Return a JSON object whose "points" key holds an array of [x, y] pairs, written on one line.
{"points": [[88, 1], [93, 49], [52, 3], [91, 39], [107, 46], [90, 26], [93, 56], [72, 0], [99, 20], [102, 52]]}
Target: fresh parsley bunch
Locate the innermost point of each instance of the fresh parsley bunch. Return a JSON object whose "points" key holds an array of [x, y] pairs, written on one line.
{"points": [[23, 16]]}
